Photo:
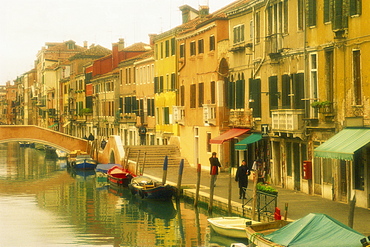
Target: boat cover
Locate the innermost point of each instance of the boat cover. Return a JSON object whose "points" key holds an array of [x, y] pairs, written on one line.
{"points": [[316, 230]]}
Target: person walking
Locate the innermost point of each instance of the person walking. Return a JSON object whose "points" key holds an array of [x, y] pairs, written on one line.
{"points": [[215, 164], [242, 177], [142, 134]]}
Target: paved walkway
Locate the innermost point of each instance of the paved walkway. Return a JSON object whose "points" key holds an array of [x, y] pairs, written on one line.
{"points": [[299, 204]]}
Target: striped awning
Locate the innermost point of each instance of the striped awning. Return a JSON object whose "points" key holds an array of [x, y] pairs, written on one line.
{"points": [[344, 144], [228, 135]]}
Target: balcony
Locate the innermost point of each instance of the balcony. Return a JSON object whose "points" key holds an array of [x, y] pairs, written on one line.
{"points": [[209, 114], [288, 121], [179, 114], [128, 117], [240, 118]]}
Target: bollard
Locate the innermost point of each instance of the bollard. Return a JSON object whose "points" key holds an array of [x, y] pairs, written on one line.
{"points": [[199, 173], [165, 165], [181, 168]]}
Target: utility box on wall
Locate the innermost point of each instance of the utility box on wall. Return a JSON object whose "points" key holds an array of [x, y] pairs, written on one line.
{"points": [[307, 169]]}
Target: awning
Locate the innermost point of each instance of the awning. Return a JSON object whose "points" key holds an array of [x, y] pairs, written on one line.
{"points": [[243, 145], [51, 126], [228, 135], [64, 125], [343, 145]]}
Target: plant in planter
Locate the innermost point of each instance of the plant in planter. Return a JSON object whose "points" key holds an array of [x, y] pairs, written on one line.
{"points": [[323, 106], [86, 111], [266, 189]]}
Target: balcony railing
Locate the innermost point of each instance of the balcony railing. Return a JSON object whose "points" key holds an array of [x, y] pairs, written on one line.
{"points": [[209, 114], [240, 118], [288, 121], [179, 114]]}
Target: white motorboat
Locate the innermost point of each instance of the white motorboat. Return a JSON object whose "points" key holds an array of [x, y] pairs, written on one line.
{"points": [[233, 227]]}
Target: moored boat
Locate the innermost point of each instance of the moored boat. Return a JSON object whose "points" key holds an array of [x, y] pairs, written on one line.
{"points": [[147, 188], [117, 175], [233, 227], [256, 232], [81, 160]]}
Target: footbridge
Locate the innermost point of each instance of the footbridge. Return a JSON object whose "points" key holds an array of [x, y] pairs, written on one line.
{"points": [[32, 133]]}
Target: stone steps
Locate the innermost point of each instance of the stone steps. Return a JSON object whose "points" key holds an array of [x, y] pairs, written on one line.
{"points": [[154, 155]]}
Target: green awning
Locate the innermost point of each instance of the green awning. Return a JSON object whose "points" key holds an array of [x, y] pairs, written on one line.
{"points": [[243, 144], [51, 126], [343, 145]]}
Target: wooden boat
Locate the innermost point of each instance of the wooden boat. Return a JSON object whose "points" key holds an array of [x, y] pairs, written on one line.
{"points": [[233, 227], [147, 188], [81, 160], [255, 232], [117, 175]]}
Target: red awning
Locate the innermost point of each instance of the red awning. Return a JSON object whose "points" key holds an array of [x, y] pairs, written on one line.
{"points": [[228, 135]]}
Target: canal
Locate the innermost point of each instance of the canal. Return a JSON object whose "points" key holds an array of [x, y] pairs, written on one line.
{"points": [[44, 204]]}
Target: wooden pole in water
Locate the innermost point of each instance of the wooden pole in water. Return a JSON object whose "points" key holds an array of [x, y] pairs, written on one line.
{"points": [[286, 211], [253, 216], [179, 179], [351, 214], [230, 191], [199, 173], [142, 170], [212, 188], [137, 162], [165, 165]]}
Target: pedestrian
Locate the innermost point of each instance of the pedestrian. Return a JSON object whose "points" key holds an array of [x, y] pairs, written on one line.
{"points": [[103, 143], [260, 172], [91, 137], [142, 134], [215, 164], [242, 177]]}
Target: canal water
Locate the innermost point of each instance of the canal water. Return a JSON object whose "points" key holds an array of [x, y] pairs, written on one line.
{"points": [[44, 204]]}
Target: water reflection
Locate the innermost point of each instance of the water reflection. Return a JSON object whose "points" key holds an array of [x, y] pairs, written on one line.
{"points": [[43, 204]]}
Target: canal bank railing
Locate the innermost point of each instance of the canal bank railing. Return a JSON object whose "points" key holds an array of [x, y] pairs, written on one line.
{"points": [[266, 203]]}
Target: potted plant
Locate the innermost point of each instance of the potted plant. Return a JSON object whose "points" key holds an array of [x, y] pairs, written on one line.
{"points": [[266, 189]]}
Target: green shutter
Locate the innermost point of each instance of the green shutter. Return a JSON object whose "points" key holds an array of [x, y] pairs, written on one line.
{"points": [[255, 96], [273, 92], [298, 90], [327, 8], [156, 85], [285, 98], [311, 13]]}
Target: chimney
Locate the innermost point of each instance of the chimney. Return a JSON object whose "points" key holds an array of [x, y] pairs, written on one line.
{"points": [[188, 13], [121, 44], [203, 10], [85, 44], [151, 39]]}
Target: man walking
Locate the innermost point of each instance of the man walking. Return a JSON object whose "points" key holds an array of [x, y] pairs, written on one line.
{"points": [[242, 177], [215, 164]]}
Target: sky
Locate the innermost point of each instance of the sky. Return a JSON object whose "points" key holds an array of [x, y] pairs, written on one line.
{"points": [[25, 26]]}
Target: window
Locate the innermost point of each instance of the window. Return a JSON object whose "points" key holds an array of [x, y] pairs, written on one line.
{"points": [[161, 50], [200, 94], [300, 14], [156, 85], [161, 84], [173, 46], [273, 92], [329, 74], [150, 107], [257, 20], [340, 15], [167, 51], [213, 92], [239, 93], [182, 95], [313, 78], [156, 51], [193, 48], [212, 44], [357, 89], [238, 34], [355, 7], [173, 81], [200, 46], [298, 90], [327, 11], [182, 50], [207, 143], [193, 91], [130, 104], [286, 16], [166, 115], [311, 13], [255, 96]]}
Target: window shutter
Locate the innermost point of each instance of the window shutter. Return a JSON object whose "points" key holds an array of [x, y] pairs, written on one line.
{"points": [[255, 96], [213, 92], [156, 85], [285, 98], [298, 90], [239, 93], [311, 9], [273, 92]]}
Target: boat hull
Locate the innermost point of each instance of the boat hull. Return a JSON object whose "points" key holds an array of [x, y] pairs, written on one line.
{"points": [[233, 227], [119, 176], [146, 188], [256, 232]]}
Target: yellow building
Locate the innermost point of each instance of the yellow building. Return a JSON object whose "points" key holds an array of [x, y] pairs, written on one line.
{"points": [[337, 43], [165, 86]]}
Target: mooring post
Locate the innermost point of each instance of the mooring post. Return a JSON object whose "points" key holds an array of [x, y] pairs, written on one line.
{"points": [[199, 173], [165, 165], [181, 168], [212, 186]]}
